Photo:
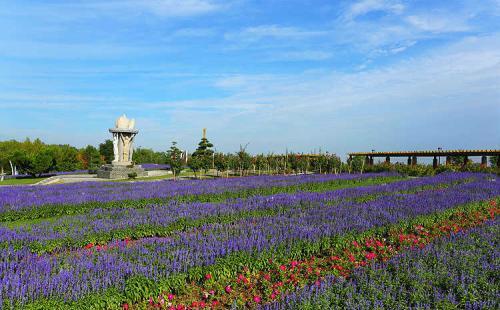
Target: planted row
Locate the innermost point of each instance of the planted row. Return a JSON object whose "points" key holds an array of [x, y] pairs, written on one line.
{"points": [[103, 225], [44, 203], [135, 270], [459, 271]]}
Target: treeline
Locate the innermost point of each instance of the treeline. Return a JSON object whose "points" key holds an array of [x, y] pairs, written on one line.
{"points": [[36, 157]]}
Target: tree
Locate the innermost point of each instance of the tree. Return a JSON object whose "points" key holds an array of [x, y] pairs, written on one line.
{"points": [[174, 159], [106, 151], [92, 158], [244, 159], [41, 163], [356, 163], [221, 162], [260, 162], [67, 159], [20, 160], [148, 156], [204, 154], [195, 164], [494, 160]]}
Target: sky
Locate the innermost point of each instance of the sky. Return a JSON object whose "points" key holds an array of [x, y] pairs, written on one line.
{"points": [[304, 76]]}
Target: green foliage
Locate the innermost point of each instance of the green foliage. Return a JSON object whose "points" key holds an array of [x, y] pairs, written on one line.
{"points": [[195, 164], [244, 160], [356, 164], [92, 158], [174, 159], [221, 162], [41, 163], [148, 156], [106, 151], [203, 155], [132, 175]]}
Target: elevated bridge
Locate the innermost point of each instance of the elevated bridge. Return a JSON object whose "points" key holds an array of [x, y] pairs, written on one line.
{"points": [[413, 155]]}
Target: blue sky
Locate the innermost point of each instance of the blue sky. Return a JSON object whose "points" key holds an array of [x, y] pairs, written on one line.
{"points": [[337, 75]]}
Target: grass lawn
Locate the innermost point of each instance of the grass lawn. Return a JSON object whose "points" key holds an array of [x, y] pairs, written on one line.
{"points": [[23, 181]]}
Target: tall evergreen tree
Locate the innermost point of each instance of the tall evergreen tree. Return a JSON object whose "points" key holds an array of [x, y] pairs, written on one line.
{"points": [[204, 153]]}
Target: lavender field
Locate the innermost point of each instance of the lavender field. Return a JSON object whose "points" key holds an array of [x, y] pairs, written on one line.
{"points": [[278, 242]]}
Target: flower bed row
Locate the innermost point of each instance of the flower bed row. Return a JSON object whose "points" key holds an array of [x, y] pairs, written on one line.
{"points": [[251, 288], [101, 226], [49, 201], [459, 271], [138, 270]]}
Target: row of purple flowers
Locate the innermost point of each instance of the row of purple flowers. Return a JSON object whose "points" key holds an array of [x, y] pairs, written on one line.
{"points": [[71, 275]]}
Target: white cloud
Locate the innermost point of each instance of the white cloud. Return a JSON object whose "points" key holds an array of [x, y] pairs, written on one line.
{"points": [[438, 23], [176, 8], [310, 55], [194, 32], [366, 6], [252, 34]]}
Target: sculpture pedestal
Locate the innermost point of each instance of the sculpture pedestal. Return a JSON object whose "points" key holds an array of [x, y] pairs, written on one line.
{"points": [[115, 171]]}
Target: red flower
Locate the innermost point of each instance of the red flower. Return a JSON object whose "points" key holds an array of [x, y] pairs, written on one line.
{"points": [[228, 289], [125, 306], [283, 268], [335, 258], [356, 244], [294, 263], [493, 203], [215, 303], [370, 256], [88, 246], [257, 299], [208, 276], [267, 277]]}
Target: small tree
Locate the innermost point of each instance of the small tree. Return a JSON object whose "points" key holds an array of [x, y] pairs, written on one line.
{"points": [[195, 164], [494, 161], [92, 158], [174, 159], [221, 163], [106, 151], [244, 159]]}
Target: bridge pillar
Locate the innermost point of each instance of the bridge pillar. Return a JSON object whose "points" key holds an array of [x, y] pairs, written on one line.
{"points": [[387, 159], [435, 162], [466, 160], [409, 160], [484, 161], [371, 160], [367, 161], [414, 160]]}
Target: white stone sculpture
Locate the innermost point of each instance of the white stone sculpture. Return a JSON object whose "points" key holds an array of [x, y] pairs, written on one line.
{"points": [[123, 138]]}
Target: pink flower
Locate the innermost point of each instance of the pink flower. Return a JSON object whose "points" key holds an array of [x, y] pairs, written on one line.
{"points": [[256, 299], [228, 289], [170, 296], [125, 306], [283, 268]]}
